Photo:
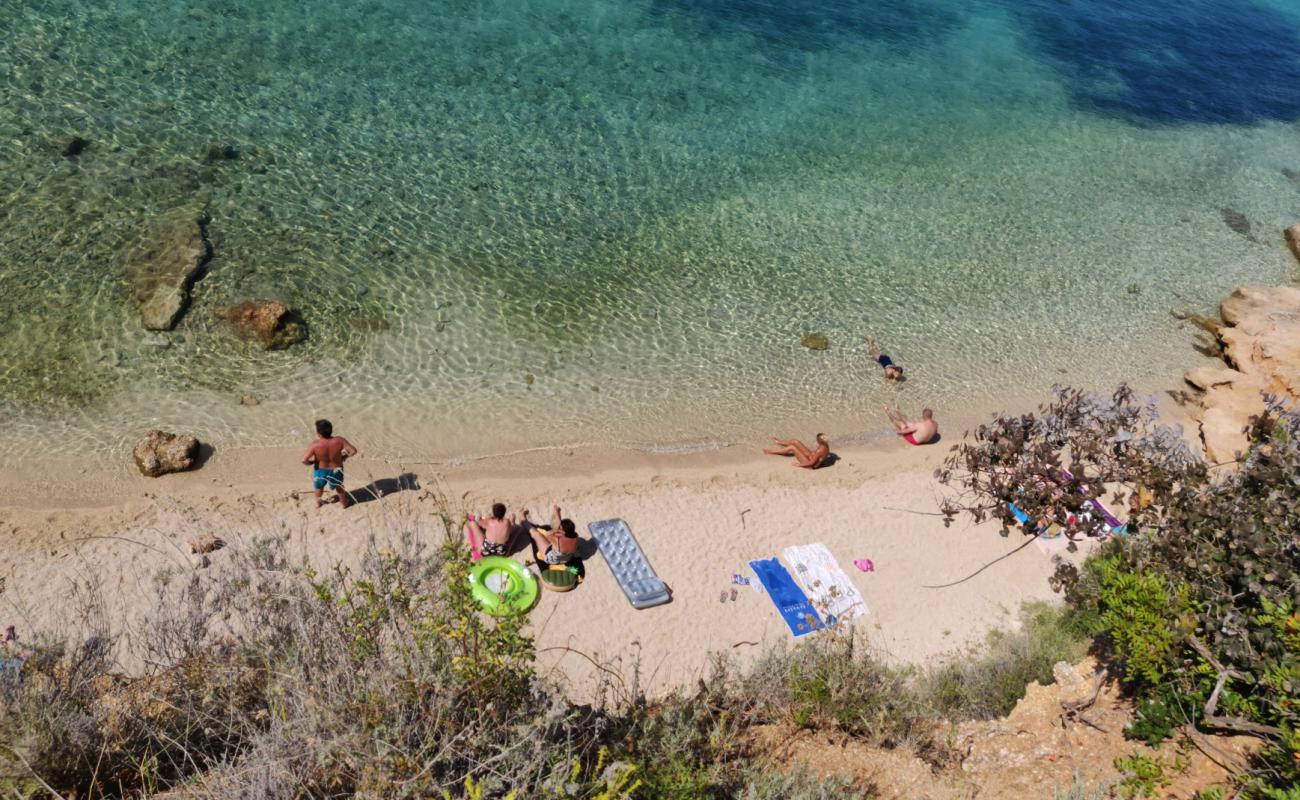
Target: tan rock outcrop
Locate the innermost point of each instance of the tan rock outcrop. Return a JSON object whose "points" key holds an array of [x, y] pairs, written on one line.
{"points": [[1261, 343]]}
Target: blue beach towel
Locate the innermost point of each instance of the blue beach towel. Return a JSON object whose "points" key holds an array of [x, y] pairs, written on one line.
{"points": [[788, 598]]}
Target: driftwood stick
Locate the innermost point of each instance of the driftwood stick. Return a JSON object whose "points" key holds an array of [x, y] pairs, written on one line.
{"points": [[1073, 711], [1230, 724]]}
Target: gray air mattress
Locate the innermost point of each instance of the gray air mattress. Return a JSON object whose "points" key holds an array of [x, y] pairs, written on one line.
{"points": [[640, 583]]}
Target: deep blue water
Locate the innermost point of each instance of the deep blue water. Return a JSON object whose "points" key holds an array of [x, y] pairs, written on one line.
{"points": [[1171, 62]]}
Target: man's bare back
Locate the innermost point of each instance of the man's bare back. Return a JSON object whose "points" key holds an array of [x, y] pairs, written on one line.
{"points": [[329, 453], [326, 456]]}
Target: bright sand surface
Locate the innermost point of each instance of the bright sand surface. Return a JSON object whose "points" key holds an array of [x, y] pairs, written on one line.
{"points": [[699, 517]]}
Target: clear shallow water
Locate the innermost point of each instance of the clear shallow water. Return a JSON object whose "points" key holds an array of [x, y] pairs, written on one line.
{"points": [[514, 224]]}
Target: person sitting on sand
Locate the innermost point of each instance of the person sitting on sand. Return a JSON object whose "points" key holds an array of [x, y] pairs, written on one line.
{"points": [[893, 372], [556, 543], [922, 431], [326, 456], [803, 457], [492, 534]]}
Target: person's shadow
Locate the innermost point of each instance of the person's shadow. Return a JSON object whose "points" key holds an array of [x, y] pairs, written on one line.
{"points": [[406, 482]]}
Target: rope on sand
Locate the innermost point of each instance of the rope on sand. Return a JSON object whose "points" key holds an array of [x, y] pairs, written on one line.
{"points": [[1028, 542]]}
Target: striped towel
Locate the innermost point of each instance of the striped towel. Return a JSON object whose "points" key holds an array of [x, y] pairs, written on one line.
{"points": [[829, 590]]}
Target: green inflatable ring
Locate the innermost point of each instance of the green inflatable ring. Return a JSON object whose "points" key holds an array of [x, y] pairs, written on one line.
{"points": [[503, 586]]}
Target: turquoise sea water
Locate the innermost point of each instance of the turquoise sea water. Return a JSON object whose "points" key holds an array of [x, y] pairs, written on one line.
{"points": [[535, 223]]}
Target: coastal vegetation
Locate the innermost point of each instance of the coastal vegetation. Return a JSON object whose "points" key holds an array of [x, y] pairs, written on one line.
{"points": [[1195, 606], [275, 680]]}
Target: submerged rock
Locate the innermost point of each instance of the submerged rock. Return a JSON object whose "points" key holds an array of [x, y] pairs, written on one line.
{"points": [[272, 325], [75, 147], [161, 452], [1235, 220], [217, 151], [815, 341], [164, 265]]}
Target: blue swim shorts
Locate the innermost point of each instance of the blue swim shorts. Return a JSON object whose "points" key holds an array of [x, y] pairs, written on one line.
{"points": [[326, 478]]}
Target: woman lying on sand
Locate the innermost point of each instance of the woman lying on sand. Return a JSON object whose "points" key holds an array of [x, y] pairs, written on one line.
{"points": [[803, 457]]}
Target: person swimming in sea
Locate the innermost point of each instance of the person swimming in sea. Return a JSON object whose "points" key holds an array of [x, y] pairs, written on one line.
{"points": [[893, 372], [326, 456], [803, 456]]}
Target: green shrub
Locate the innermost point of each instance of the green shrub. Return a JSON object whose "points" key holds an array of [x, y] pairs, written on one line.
{"points": [[1142, 618], [1145, 775], [991, 680]]}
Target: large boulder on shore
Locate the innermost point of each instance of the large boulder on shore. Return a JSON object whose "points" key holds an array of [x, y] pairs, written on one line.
{"points": [[1261, 345], [165, 263], [161, 452], [272, 325]]}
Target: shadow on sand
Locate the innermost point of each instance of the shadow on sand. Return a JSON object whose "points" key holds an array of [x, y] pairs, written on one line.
{"points": [[406, 482]]}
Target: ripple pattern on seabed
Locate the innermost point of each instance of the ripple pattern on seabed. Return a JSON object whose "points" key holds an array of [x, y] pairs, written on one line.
{"points": [[513, 224]]}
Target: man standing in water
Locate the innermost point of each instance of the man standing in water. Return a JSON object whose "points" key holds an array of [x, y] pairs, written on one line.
{"points": [[326, 456]]}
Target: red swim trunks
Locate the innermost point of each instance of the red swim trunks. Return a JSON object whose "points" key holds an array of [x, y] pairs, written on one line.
{"points": [[910, 439]]}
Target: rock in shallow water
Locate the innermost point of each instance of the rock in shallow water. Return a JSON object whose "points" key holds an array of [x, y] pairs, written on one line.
{"points": [[1235, 220], [272, 325], [165, 264], [219, 151], [815, 341], [161, 452], [75, 147], [1292, 235]]}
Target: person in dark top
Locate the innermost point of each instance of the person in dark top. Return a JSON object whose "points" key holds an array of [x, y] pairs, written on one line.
{"points": [[556, 543], [893, 372]]}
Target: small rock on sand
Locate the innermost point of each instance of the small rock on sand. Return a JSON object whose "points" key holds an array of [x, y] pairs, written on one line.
{"points": [[205, 543], [248, 400], [160, 453]]}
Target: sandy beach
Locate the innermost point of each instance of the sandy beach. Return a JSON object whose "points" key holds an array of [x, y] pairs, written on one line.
{"points": [[700, 517]]}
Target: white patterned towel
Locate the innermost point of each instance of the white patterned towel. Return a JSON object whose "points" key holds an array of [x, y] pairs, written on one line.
{"points": [[829, 590]]}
